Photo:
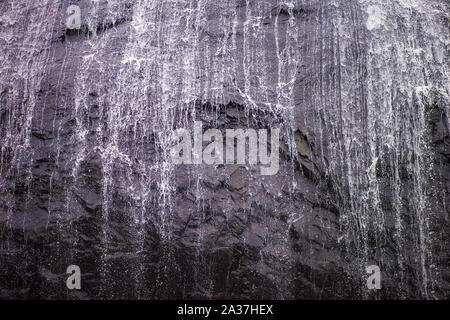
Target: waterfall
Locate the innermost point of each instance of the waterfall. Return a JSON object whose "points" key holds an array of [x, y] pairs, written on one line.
{"points": [[359, 89]]}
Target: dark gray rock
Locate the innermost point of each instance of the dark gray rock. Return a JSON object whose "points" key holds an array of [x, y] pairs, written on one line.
{"points": [[358, 88]]}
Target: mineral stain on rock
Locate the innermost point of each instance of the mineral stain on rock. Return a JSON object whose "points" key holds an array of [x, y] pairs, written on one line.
{"points": [[359, 90]]}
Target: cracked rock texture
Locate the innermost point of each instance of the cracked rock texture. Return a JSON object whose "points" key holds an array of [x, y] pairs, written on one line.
{"points": [[358, 88]]}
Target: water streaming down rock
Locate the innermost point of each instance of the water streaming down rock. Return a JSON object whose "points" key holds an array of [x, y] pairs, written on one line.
{"points": [[358, 88]]}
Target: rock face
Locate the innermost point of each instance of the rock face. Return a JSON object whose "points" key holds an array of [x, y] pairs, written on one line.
{"points": [[358, 88]]}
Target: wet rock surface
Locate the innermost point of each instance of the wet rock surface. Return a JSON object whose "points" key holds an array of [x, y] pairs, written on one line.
{"points": [[359, 90]]}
